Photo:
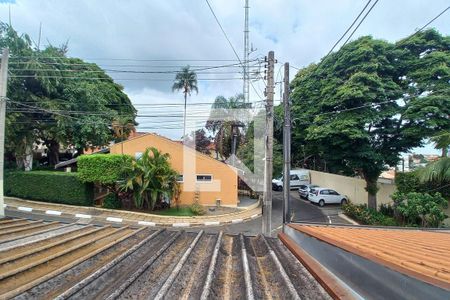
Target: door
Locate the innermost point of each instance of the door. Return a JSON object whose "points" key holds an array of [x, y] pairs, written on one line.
{"points": [[334, 196], [325, 196], [295, 181]]}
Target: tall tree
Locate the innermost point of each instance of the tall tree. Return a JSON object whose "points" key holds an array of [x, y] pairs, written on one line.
{"points": [[57, 101], [355, 112], [185, 81], [227, 119]]}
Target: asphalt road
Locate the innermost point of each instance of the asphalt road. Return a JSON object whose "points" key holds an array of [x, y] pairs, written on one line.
{"points": [[302, 210]]}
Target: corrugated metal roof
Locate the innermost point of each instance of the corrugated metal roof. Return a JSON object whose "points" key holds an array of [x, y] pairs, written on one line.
{"points": [[40, 260], [417, 253]]}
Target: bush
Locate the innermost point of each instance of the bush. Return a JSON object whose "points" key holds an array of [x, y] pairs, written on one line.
{"points": [[367, 216], [49, 186], [103, 168], [421, 209], [408, 182], [112, 201], [197, 209]]}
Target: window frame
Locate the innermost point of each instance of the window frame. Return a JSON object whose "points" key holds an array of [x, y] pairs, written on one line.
{"points": [[204, 181]]}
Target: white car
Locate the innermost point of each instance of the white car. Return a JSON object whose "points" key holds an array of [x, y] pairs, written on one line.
{"points": [[297, 178], [324, 196]]}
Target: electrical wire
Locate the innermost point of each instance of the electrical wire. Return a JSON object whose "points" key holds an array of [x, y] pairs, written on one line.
{"points": [[359, 24]]}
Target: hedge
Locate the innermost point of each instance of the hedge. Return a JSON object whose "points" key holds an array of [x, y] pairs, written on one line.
{"points": [[103, 168], [49, 186]]}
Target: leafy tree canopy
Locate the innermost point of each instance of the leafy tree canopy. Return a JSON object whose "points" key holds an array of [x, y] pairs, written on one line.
{"points": [[365, 104], [58, 100]]}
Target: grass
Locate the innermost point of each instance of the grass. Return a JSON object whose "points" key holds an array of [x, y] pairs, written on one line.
{"points": [[173, 211]]}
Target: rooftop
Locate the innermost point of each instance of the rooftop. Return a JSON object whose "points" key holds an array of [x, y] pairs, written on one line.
{"points": [[41, 260], [419, 254]]}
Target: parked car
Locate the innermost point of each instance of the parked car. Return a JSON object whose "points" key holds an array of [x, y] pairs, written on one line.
{"points": [[304, 190], [324, 196], [297, 178]]}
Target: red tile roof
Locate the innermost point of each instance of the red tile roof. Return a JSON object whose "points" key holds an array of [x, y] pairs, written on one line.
{"points": [[417, 253]]}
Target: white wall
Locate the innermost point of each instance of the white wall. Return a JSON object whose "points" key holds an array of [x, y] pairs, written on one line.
{"points": [[352, 187]]}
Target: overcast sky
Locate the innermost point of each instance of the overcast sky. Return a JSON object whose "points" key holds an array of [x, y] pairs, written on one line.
{"points": [[300, 32]]}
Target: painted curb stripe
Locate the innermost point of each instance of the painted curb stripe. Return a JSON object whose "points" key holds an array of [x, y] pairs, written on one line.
{"points": [[181, 224], [23, 208], [147, 223], [83, 216], [212, 223], [237, 221], [53, 212], [113, 219]]}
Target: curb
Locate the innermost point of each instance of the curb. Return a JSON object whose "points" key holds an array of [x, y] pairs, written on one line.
{"points": [[343, 216], [113, 219]]}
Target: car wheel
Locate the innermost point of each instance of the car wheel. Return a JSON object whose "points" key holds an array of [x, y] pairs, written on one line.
{"points": [[280, 188], [321, 203], [343, 201]]}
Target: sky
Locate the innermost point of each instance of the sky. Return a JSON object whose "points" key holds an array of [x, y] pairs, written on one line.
{"points": [[128, 35]]}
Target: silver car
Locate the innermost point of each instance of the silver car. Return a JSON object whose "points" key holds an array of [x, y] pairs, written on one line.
{"points": [[304, 190]]}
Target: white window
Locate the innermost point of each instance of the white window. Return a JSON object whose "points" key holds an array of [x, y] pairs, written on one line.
{"points": [[204, 178], [180, 178]]}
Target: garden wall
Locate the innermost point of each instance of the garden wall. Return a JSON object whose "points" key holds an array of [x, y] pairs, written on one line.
{"points": [[354, 188]]}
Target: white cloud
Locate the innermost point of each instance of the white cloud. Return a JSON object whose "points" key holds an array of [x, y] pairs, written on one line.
{"points": [[299, 32]]}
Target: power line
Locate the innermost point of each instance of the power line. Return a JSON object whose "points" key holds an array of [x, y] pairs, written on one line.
{"points": [[223, 31], [348, 29], [431, 21], [359, 24]]}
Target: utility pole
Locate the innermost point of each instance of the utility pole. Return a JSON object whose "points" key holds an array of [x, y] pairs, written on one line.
{"points": [[267, 197], [246, 89], [3, 83], [286, 148]]}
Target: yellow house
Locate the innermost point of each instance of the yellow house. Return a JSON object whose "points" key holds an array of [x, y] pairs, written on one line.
{"points": [[201, 176]]}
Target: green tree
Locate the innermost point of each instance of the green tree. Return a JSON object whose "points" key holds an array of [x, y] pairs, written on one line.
{"points": [[52, 100], [202, 140], [426, 207], [185, 81], [437, 171], [227, 120], [151, 178], [442, 141], [352, 110]]}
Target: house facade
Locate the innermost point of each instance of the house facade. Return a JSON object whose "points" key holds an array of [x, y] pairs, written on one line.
{"points": [[201, 177]]}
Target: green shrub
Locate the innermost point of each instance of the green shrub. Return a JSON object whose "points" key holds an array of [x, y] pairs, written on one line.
{"points": [[103, 168], [49, 186], [408, 182], [423, 209], [112, 201], [367, 216], [197, 209]]}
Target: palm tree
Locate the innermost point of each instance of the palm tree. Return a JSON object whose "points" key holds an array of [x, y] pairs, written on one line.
{"points": [[151, 178], [185, 81], [227, 131], [442, 141], [437, 171]]}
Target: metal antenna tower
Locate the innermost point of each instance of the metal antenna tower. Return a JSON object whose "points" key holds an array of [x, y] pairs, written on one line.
{"points": [[246, 89]]}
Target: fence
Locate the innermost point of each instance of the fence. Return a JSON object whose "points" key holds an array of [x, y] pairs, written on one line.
{"points": [[354, 188]]}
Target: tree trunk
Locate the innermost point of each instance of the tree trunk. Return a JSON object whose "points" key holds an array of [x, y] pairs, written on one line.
{"points": [[184, 115], [53, 152], [28, 158], [444, 152], [371, 188]]}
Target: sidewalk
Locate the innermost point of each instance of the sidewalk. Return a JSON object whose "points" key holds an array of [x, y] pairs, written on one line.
{"points": [[131, 218]]}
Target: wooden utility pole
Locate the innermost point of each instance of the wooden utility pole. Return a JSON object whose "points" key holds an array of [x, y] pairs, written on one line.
{"points": [[286, 148], [267, 197], [3, 83]]}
